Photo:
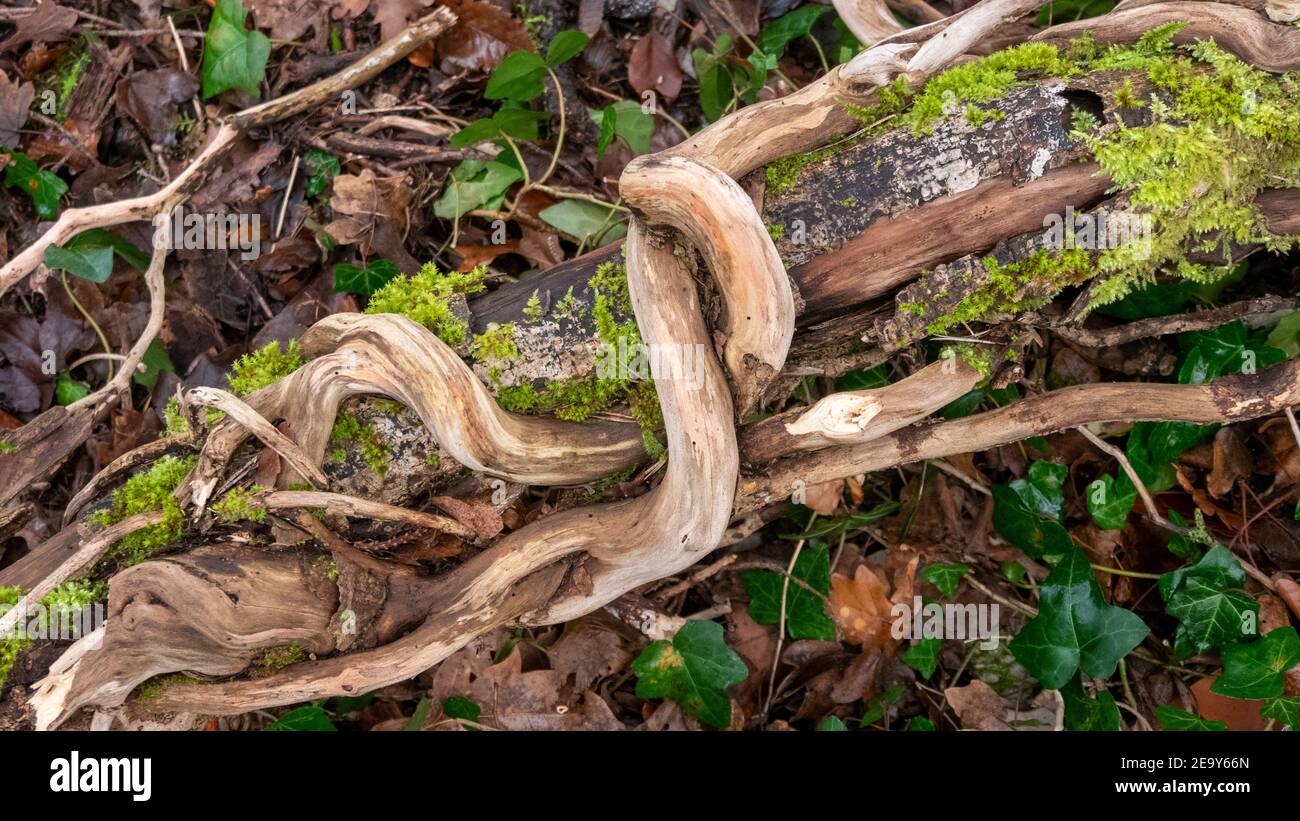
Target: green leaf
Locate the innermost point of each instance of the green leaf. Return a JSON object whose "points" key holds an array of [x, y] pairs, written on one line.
{"points": [[1172, 718], [1110, 502], [946, 577], [1256, 669], [421, 714], [920, 724], [155, 361], [923, 657], [519, 77], [1160, 299], [963, 405], [625, 119], [805, 613], [777, 34], [1026, 529], [475, 184], [364, 279], [1284, 709], [308, 718], [94, 263], [694, 670], [832, 723], [1226, 349], [233, 57], [877, 706], [518, 123], [68, 390], [862, 379], [323, 168], [462, 708], [1286, 335], [714, 79], [565, 46], [1084, 713], [1067, 11], [585, 221], [1041, 490], [44, 187], [1207, 600], [1075, 628]]}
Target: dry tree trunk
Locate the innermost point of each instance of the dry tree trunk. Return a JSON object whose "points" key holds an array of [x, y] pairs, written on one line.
{"points": [[774, 310]]}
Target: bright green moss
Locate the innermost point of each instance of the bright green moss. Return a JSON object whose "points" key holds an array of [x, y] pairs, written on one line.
{"points": [[60, 606], [1001, 292], [533, 310], [154, 687], [495, 347], [278, 658], [567, 307], [6, 447], [776, 231], [9, 648], [144, 492], [644, 400], [979, 357], [426, 297], [254, 371], [375, 452], [240, 504]]}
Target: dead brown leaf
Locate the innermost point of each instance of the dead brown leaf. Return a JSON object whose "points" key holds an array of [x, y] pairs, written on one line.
{"points": [[15, 104], [653, 66], [150, 98], [824, 498], [48, 22], [862, 609]]}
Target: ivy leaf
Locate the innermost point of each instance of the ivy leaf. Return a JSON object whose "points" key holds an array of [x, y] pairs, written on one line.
{"points": [[585, 221], [309, 718], [946, 577], [1286, 336], [1038, 537], [777, 34], [1041, 490], [519, 77], [861, 379], [323, 168], [713, 77], [1084, 713], [463, 708], [363, 279], [923, 657], [1075, 628], [877, 706], [1158, 299], [519, 123], [1256, 669], [89, 255], [805, 613], [1226, 349], [920, 724], [1110, 502], [1284, 709], [832, 723], [475, 184], [233, 57], [416, 722], [565, 46], [694, 670], [44, 187], [1206, 599], [1172, 718], [155, 361], [607, 119], [68, 390]]}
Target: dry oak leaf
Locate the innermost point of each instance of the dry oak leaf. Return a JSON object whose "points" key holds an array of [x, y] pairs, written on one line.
{"points": [[47, 22], [653, 66], [15, 100], [824, 498], [364, 200], [861, 609]]}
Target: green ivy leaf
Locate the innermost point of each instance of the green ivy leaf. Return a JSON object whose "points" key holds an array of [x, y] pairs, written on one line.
{"points": [[519, 77], [1256, 669], [233, 57], [44, 187], [832, 723], [877, 706], [1041, 490], [585, 221], [1017, 520], [475, 184], [1283, 709], [694, 670], [1172, 718], [946, 577], [623, 119], [805, 614], [308, 718], [607, 119], [1207, 600], [792, 25], [1286, 335], [462, 708], [1226, 349], [323, 168], [862, 379], [416, 722], [923, 657], [518, 123], [920, 724], [565, 46], [1158, 299], [363, 279], [155, 361], [68, 390], [1110, 502], [89, 255], [1084, 713], [714, 78], [1075, 628]]}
